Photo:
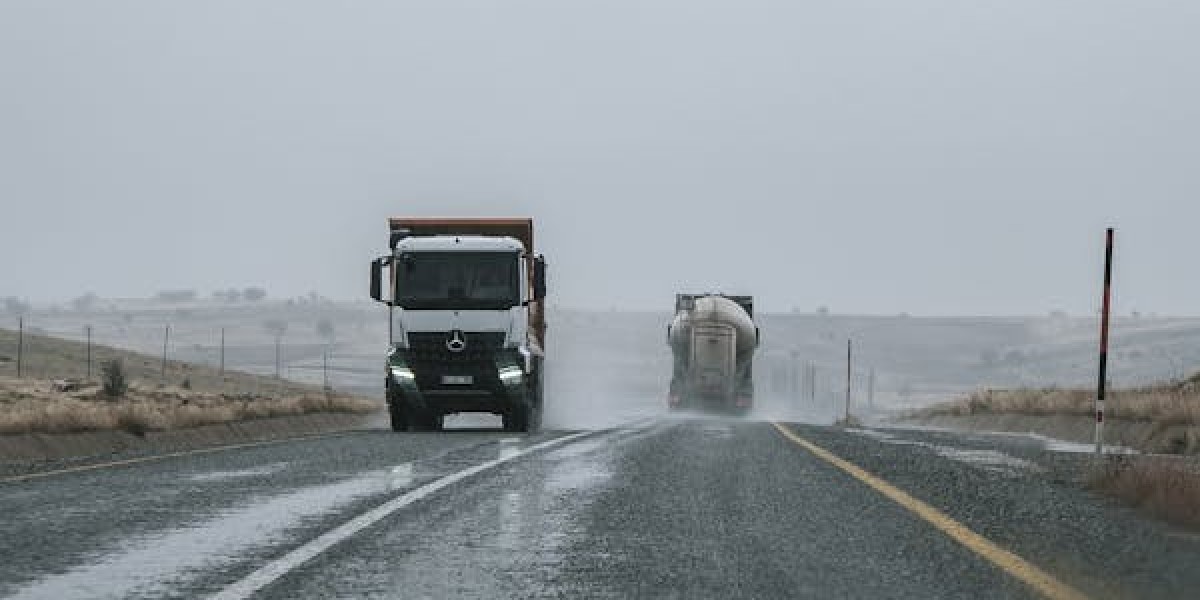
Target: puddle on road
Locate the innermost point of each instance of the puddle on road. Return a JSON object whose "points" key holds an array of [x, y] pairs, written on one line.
{"points": [[165, 563], [270, 469], [157, 564], [1057, 445], [508, 448], [1043, 442], [718, 431], [991, 460], [401, 477], [580, 476], [527, 527], [604, 442]]}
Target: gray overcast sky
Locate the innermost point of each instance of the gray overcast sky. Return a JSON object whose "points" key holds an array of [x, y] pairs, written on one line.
{"points": [[939, 157]]}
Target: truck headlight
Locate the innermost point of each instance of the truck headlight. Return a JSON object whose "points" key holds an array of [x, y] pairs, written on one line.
{"points": [[402, 374], [511, 375]]}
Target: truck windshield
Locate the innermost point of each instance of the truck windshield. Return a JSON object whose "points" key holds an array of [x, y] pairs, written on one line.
{"points": [[458, 280]]}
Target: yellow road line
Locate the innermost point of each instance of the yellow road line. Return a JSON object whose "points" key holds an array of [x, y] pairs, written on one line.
{"points": [[157, 457], [1012, 564]]}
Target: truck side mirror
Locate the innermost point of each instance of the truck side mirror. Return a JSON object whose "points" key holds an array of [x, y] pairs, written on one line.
{"points": [[539, 278], [377, 279]]}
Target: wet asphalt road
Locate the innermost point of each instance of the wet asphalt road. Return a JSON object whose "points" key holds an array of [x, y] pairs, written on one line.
{"points": [[659, 508]]}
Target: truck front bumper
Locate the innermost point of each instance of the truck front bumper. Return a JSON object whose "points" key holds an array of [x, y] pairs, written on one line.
{"points": [[495, 389]]}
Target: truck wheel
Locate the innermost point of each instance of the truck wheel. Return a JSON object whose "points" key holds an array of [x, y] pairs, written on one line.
{"points": [[517, 419], [398, 417], [535, 420], [437, 422], [426, 421], [537, 403]]}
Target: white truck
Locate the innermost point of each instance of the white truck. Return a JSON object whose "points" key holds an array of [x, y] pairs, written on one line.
{"points": [[466, 321], [712, 339]]}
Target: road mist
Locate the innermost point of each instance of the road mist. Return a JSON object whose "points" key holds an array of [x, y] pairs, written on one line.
{"points": [[605, 368]]}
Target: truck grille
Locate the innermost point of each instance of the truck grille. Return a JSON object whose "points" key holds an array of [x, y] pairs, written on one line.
{"points": [[431, 346], [430, 359]]}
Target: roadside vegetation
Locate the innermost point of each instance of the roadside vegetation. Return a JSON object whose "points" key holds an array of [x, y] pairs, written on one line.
{"points": [[1161, 419], [1169, 414], [1177, 404], [39, 406], [1163, 487], [128, 391]]}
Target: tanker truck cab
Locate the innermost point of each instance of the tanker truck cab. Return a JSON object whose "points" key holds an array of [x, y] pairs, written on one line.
{"points": [[465, 327]]}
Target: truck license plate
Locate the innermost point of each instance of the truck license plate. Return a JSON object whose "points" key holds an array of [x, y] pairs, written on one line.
{"points": [[457, 379]]}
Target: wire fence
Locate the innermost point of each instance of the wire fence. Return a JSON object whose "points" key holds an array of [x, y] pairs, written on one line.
{"points": [[238, 358]]}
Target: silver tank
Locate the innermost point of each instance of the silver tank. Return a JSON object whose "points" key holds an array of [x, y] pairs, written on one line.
{"points": [[715, 310]]}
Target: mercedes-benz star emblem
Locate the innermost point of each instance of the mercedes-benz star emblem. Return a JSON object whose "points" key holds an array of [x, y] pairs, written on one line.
{"points": [[457, 341]]}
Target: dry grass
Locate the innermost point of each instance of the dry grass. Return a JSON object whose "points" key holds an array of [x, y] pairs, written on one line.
{"points": [[33, 406], [1164, 488], [1163, 405], [193, 395], [53, 358]]}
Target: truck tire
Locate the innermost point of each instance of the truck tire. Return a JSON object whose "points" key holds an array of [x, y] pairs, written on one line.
{"points": [[526, 416], [516, 419], [426, 421], [398, 416], [537, 403]]}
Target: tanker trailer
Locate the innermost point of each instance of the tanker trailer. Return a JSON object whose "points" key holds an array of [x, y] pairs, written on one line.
{"points": [[712, 338]]}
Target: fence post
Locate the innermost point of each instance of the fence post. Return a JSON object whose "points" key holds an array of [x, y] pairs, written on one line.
{"points": [[221, 369], [88, 330], [278, 366], [849, 363], [325, 372], [871, 390], [813, 384], [20, 344], [794, 376], [166, 340]]}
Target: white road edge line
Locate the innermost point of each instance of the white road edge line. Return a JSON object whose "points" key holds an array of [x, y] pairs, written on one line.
{"points": [[281, 566]]}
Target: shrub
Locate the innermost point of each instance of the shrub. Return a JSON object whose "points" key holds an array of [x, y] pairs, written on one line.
{"points": [[176, 296], [1166, 489], [254, 294], [112, 373]]}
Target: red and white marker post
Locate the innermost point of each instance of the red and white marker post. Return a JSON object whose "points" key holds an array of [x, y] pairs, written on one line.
{"points": [[1104, 314]]}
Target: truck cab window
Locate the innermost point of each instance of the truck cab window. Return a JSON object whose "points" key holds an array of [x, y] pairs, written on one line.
{"points": [[458, 280]]}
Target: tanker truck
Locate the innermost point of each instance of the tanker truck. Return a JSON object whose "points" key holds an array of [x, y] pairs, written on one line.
{"points": [[466, 321], [713, 338]]}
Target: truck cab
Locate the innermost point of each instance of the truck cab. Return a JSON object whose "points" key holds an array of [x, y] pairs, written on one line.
{"points": [[466, 321]]}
